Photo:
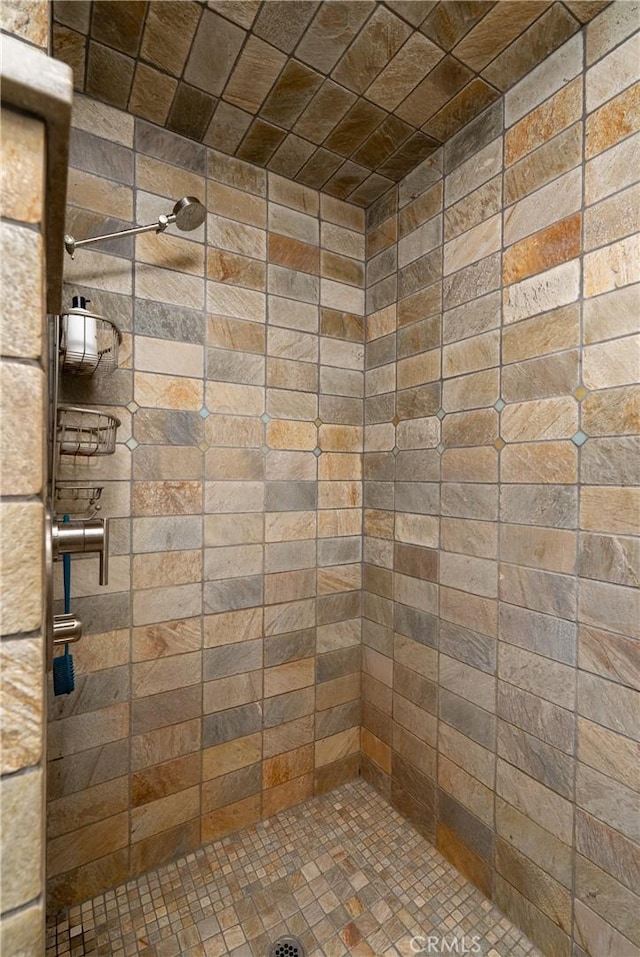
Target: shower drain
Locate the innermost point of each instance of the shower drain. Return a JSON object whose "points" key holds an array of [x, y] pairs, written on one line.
{"points": [[287, 947]]}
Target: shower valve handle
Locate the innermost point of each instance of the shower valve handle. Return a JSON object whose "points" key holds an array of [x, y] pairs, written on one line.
{"points": [[92, 535]]}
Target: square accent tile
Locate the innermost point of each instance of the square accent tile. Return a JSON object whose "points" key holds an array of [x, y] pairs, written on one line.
{"points": [[132, 406], [440, 448], [395, 420], [317, 422], [203, 446], [317, 452], [499, 405], [579, 438], [580, 393], [395, 450], [204, 413], [499, 444], [265, 417], [441, 414], [132, 443]]}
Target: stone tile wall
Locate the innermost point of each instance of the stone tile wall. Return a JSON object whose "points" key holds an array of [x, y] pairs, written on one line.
{"points": [[22, 481], [500, 607], [219, 675]]}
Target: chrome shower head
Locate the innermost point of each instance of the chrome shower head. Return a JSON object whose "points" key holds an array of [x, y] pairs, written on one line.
{"points": [[189, 213]]}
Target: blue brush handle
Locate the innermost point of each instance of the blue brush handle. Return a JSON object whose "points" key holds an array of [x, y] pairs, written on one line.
{"points": [[66, 568]]}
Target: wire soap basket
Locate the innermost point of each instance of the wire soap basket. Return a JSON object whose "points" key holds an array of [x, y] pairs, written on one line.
{"points": [[86, 432], [89, 343], [78, 500]]}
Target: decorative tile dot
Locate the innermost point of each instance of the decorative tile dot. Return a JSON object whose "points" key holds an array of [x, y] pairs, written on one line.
{"points": [[579, 438], [265, 418], [395, 420], [317, 452], [499, 444], [580, 393], [499, 405], [441, 414], [203, 446], [204, 413], [132, 406], [265, 449], [440, 448], [395, 450], [317, 423], [132, 444]]}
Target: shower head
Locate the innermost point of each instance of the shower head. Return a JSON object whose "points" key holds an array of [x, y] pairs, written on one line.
{"points": [[188, 213]]}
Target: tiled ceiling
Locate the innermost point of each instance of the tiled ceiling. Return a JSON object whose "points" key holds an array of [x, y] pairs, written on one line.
{"points": [[343, 96]]}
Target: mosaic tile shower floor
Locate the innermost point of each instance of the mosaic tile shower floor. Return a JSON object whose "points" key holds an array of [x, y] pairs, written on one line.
{"points": [[343, 872]]}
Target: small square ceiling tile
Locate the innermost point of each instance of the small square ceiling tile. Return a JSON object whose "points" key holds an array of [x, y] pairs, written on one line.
{"points": [[73, 13], [384, 141], [463, 107], [345, 180], [360, 121], [317, 170], [119, 25], [414, 11], [371, 189], [544, 36], [292, 91], [331, 31], [501, 25], [214, 52], [449, 21], [447, 77], [378, 41], [254, 74], [152, 94], [191, 112], [260, 143], [109, 75], [282, 23], [227, 128], [402, 74], [291, 156], [168, 33], [410, 154], [325, 111], [242, 12]]}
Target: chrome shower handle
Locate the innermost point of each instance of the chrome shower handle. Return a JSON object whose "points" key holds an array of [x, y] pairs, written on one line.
{"points": [[92, 535]]}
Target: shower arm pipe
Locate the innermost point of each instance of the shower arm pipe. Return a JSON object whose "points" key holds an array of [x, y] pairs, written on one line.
{"points": [[71, 244]]}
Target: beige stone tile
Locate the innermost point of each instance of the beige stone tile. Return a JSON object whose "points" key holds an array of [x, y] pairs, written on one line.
{"points": [[611, 170], [22, 269], [21, 594], [231, 692], [611, 363], [609, 509], [554, 158], [226, 398], [21, 167], [469, 537], [609, 29], [471, 611], [466, 789], [403, 71], [543, 334], [612, 266], [289, 677], [604, 749], [234, 430], [613, 314], [535, 801], [167, 812], [237, 205], [547, 120], [549, 205], [613, 73], [470, 355], [613, 218], [596, 935], [234, 497], [22, 690], [471, 391], [473, 209], [22, 835], [254, 74], [469, 465], [543, 462], [236, 237], [169, 392], [152, 94], [232, 529], [474, 172], [613, 122], [475, 244], [99, 194], [548, 290], [166, 285], [555, 72], [337, 746], [22, 414], [555, 418]]}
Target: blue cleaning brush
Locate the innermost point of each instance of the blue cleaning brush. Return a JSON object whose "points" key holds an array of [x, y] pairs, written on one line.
{"points": [[63, 673]]}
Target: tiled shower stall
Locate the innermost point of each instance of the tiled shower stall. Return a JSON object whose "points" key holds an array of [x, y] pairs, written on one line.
{"points": [[374, 501]]}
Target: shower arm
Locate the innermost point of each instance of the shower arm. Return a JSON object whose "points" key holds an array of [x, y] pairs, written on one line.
{"points": [[71, 244]]}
